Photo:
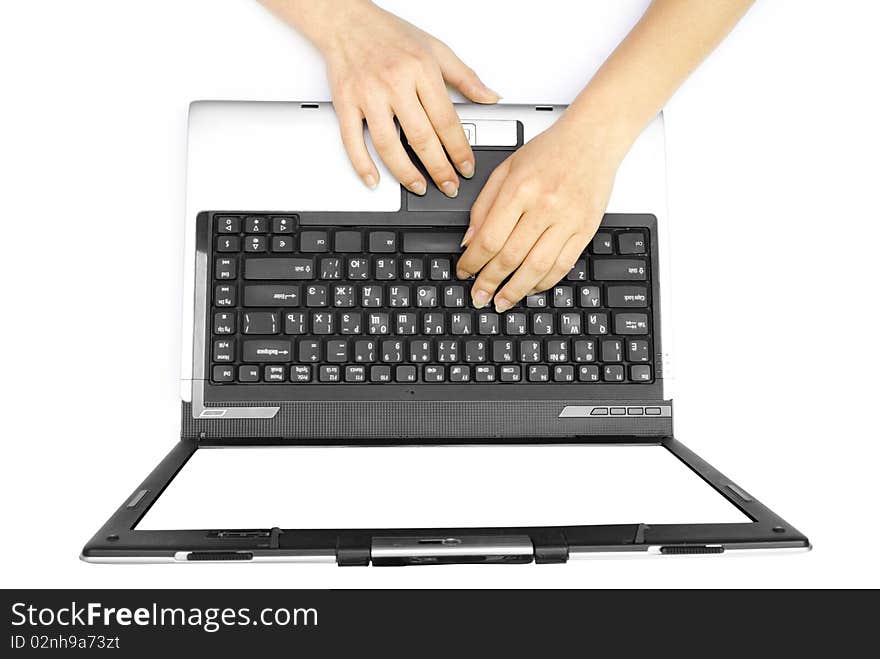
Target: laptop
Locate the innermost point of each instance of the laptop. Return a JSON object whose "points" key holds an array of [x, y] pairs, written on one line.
{"points": [[327, 340]]}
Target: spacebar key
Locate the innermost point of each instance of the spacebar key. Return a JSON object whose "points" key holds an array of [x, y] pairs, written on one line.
{"points": [[279, 269], [432, 242]]}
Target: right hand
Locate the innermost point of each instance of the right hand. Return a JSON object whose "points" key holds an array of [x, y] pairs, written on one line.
{"points": [[381, 67]]}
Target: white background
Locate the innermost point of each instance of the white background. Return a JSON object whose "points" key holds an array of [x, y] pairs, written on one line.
{"points": [[773, 179]]}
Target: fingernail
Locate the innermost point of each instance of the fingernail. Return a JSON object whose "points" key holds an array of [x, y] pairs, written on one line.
{"points": [[450, 189], [481, 297], [467, 236], [462, 274], [502, 304], [370, 181], [419, 187], [466, 168]]}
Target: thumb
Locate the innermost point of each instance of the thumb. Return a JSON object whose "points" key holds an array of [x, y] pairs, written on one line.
{"points": [[463, 78]]}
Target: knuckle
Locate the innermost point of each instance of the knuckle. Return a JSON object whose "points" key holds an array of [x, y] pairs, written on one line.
{"points": [[419, 137], [490, 242], [508, 259], [541, 264]]}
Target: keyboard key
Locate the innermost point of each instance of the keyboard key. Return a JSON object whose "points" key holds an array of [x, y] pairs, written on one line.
{"points": [[578, 272], [475, 351], [343, 295], [383, 242], [308, 350], [459, 373], [317, 295], [323, 322], [434, 323], [406, 324], [314, 241], [502, 350], [351, 323], [405, 373], [260, 322], [602, 243], [590, 296], [329, 373], [274, 373], [255, 244], [539, 373], [355, 373], [412, 269], [224, 268], [630, 323], [510, 373], [432, 242], [271, 295], [563, 373], [282, 244], [597, 323], [453, 296], [570, 323], [378, 323], [419, 351], [255, 225], [386, 269], [515, 324], [300, 373], [223, 374], [613, 373], [627, 296], [588, 373], [461, 324], [224, 323], [228, 224], [620, 269], [563, 296], [557, 350], [530, 351], [584, 351], [282, 225], [638, 351], [392, 351], [631, 243], [279, 268], [426, 297], [542, 323], [337, 351], [224, 295], [536, 301], [380, 373], [224, 350], [348, 242], [228, 244], [365, 351], [484, 373], [612, 350], [488, 323], [434, 373], [441, 269], [265, 350], [358, 268], [248, 373], [295, 322], [640, 373], [447, 351], [398, 296]]}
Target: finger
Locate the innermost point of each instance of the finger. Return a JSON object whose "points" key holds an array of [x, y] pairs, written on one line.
{"points": [[568, 256], [493, 233], [462, 77], [438, 106], [351, 127], [521, 241], [385, 138], [425, 144], [536, 266], [485, 200]]}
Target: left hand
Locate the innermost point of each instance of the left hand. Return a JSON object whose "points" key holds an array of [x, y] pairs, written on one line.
{"points": [[537, 212]]}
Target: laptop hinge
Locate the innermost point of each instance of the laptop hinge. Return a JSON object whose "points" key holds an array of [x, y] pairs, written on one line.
{"points": [[550, 547], [447, 548], [353, 550]]}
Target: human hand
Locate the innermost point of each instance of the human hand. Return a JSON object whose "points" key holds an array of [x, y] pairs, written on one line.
{"points": [[381, 67], [537, 212]]}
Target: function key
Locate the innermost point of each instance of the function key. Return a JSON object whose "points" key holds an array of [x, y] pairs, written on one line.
{"points": [[255, 224], [301, 373], [348, 242], [603, 243], [228, 243], [224, 323], [228, 224], [282, 225], [383, 241], [224, 295], [224, 268], [314, 241], [631, 242], [274, 373]]}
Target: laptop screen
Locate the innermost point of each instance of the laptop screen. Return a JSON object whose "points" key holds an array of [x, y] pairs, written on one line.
{"points": [[435, 486]]}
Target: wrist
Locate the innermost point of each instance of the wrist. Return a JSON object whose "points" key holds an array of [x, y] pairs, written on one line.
{"points": [[323, 22]]}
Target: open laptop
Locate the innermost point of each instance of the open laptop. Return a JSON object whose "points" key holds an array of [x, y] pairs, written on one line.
{"points": [[327, 317]]}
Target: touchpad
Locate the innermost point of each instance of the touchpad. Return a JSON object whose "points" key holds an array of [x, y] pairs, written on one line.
{"points": [[434, 200]]}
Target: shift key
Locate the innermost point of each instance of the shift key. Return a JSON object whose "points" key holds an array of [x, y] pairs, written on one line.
{"points": [[620, 270], [279, 269]]}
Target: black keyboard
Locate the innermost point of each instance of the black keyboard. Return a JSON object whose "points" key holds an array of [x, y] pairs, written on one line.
{"points": [[292, 303]]}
